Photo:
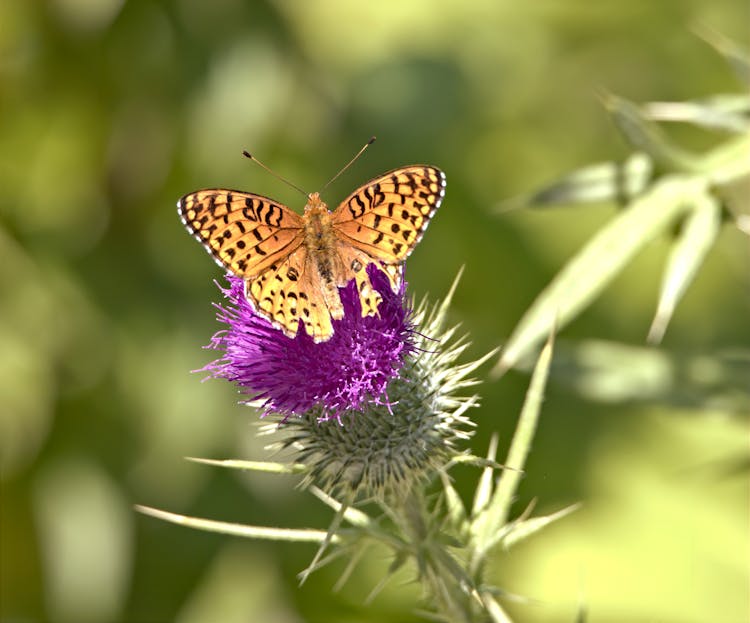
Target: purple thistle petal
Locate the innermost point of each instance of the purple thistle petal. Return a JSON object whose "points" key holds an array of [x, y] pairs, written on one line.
{"points": [[292, 375]]}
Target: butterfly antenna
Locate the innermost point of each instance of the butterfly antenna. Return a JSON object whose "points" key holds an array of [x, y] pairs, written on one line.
{"points": [[350, 163], [276, 175]]}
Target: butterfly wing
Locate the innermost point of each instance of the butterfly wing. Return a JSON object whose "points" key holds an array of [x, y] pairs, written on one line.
{"points": [[244, 232], [387, 217], [289, 291], [355, 263]]}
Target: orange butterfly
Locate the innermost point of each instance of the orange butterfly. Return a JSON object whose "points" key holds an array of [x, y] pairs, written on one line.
{"points": [[293, 265]]}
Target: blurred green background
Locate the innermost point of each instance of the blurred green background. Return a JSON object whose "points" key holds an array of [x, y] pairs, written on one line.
{"points": [[111, 110]]}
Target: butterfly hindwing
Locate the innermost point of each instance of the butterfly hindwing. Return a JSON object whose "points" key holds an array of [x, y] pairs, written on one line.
{"points": [[289, 291]]}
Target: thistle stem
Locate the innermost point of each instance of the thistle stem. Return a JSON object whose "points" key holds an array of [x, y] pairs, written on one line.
{"points": [[439, 580]]}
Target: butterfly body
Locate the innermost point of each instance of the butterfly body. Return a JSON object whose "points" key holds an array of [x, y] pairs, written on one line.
{"points": [[320, 239], [323, 256], [294, 265]]}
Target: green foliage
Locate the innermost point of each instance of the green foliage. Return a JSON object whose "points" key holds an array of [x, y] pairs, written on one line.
{"points": [[688, 193], [446, 543], [112, 110]]}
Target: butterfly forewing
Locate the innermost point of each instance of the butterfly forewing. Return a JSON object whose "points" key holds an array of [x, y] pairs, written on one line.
{"points": [[387, 216], [244, 232]]}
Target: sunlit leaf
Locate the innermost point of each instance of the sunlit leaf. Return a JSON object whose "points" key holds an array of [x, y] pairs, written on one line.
{"points": [[454, 504], [494, 609], [735, 56], [645, 135], [484, 488], [699, 231], [487, 525], [258, 466], [611, 372], [523, 436], [594, 266], [534, 524], [728, 163], [724, 112], [598, 183], [235, 529]]}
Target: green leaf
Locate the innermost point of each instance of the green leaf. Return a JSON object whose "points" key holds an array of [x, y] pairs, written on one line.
{"points": [[494, 609], [522, 438], [354, 559], [594, 266], [476, 461], [234, 529], [598, 183], [440, 558], [398, 562], [647, 136], [352, 515], [258, 466], [489, 524], [401, 558], [317, 561], [453, 504], [699, 231], [729, 162], [735, 56], [528, 527], [723, 112], [484, 488], [611, 373]]}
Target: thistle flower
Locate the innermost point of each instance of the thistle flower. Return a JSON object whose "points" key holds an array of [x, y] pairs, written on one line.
{"points": [[387, 447], [388, 381], [372, 463], [292, 376]]}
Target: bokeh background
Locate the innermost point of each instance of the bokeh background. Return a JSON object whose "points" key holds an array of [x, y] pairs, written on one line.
{"points": [[111, 110]]}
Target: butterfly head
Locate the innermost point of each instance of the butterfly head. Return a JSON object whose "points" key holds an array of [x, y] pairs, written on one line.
{"points": [[315, 205]]}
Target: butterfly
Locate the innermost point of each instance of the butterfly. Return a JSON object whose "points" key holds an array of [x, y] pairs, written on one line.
{"points": [[294, 265]]}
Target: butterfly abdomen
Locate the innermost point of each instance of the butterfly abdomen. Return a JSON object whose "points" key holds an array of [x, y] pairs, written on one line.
{"points": [[320, 239], [322, 252]]}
